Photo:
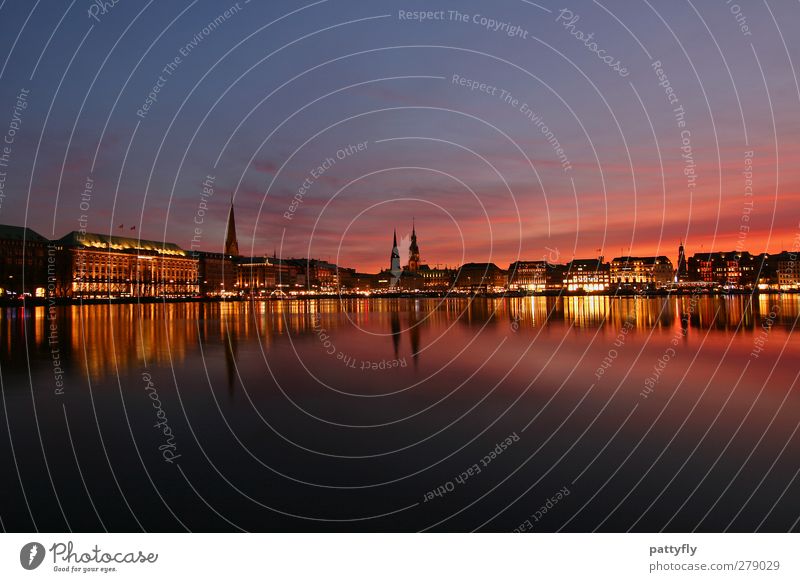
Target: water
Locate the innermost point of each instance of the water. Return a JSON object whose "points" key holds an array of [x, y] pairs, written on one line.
{"points": [[543, 414]]}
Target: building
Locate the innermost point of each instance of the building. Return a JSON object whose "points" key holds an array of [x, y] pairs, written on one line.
{"points": [[528, 275], [588, 275], [103, 266], [231, 242], [641, 272], [316, 276], [394, 264], [413, 251], [766, 269], [264, 275], [556, 274], [788, 271], [484, 277], [731, 269], [682, 272], [361, 281], [23, 262], [536, 276], [436, 279], [217, 274], [417, 276]]}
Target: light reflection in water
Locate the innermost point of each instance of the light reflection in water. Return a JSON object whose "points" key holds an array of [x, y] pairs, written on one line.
{"points": [[255, 383], [100, 338]]}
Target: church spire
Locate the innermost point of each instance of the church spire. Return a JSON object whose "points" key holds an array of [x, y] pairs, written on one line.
{"points": [[413, 250], [681, 273], [231, 243], [394, 262]]}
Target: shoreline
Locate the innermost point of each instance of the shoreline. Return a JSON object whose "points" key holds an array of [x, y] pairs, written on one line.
{"points": [[62, 301]]}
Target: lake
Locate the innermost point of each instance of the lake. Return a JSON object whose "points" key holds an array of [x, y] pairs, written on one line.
{"points": [[490, 414]]}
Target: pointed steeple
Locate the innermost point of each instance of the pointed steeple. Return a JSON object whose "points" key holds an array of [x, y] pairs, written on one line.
{"points": [[395, 250], [394, 260], [413, 250], [231, 243], [681, 273]]}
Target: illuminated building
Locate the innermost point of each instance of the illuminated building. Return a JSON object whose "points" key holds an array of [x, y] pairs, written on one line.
{"points": [[528, 275], [217, 273], [262, 275], [435, 279], [733, 268], [641, 272], [103, 266], [555, 277], [416, 276], [788, 271], [315, 275], [22, 264], [354, 281], [480, 277], [589, 275]]}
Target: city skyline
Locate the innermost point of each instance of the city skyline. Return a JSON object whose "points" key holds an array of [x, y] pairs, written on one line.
{"points": [[230, 246], [85, 265]]}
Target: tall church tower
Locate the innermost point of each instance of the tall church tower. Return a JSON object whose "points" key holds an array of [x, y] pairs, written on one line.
{"points": [[682, 273], [413, 251], [394, 268], [231, 243]]}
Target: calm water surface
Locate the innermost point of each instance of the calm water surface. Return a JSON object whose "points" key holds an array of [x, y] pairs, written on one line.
{"points": [[661, 413]]}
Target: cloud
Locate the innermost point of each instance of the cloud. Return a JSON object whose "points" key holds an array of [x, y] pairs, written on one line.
{"points": [[265, 166]]}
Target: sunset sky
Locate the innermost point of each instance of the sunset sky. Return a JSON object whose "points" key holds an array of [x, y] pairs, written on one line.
{"points": [[263, 98]]}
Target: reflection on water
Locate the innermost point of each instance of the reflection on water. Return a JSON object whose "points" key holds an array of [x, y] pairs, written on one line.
{"points": [[109, 338], [298, 415]]}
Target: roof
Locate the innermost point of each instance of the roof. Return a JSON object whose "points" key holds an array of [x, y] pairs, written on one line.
{"points": [[721, 255], [480, 266], [9, 232], [645, 260], [591, 263], [518, 264], [93, 240], [255, 261]]}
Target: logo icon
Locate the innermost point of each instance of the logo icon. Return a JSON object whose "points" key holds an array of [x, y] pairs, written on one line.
{"points": [[31, 555]]}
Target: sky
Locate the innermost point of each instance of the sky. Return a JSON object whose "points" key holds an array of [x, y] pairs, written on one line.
{"points": [[506, 130]]}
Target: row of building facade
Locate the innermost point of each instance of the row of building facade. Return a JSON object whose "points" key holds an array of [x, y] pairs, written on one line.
{"points": [[90, 266], [733, 270]]}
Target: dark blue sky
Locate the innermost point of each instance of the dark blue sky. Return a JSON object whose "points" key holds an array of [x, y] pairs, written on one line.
{"points": [[265, 96]]}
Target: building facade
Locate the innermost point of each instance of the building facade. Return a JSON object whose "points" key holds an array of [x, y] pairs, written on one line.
{"points": [[587, 275], [486, 277], [413, 251], [96, 266], [528, 275], [263, 275], [394, 263], [732, 268], [217, 274], [641, 272], [788, 271], [23, 262], [682, 272]]}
